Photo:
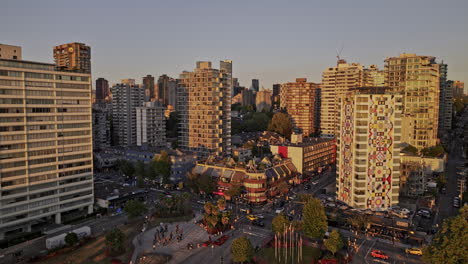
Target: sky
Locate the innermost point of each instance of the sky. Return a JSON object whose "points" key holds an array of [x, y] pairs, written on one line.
{"points": [[274, 41]]}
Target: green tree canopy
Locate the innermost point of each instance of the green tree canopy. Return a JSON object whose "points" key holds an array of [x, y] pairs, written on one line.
{"points": [[281, 124], [234, 191], [241, 249], [314, 219], [410, 149], [334, 242], [450, 243], [279, 223], [162, 165], [126, 167], [134, 208], [71, 239], [115, 241], [435, 151]]}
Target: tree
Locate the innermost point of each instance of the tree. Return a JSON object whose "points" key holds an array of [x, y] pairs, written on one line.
{"points": [[162, 165], [206, 184], [279, 223], [441, 180], [242, 249], [410, 149], [221, 204], [115, 241], [134, 208], [71, 239], [281, 124], [234, 191], [314, 219], [126, 167], [435, 151], [335, 242], [449, 244]]}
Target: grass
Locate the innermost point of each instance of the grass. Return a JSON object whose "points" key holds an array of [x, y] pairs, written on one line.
{"points": [[309, 254]]}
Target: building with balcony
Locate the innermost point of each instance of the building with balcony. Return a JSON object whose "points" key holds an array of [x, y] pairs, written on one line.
{"points": [[73, 57], [151, 125], [125, 99], [204, 103], [418, 79], [260, 182], [46, 155], [368, 148], [309, 155], [102, 134], [301, 99]]}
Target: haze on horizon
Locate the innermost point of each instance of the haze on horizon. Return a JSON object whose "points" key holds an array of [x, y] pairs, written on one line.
{"points": [[274, 41]]}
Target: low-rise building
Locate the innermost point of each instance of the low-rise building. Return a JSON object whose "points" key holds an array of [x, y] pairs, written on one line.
{"points": [[416, 172], [260, 182], [309, 155], [242, 154]]}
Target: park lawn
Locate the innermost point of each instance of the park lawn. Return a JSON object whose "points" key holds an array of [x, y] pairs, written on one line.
{"points": [[267, 255]]}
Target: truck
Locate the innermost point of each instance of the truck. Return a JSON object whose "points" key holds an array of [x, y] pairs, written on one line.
{"points": [[59, 240]]}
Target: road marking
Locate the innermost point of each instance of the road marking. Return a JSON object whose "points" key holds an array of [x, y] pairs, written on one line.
{"points": [[364, 241]]}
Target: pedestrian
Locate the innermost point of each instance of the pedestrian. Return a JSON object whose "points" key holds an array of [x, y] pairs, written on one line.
{"points": [[170, 236]]}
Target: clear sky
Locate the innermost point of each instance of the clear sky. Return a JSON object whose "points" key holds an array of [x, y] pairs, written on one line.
{"points": [[274, 41]]}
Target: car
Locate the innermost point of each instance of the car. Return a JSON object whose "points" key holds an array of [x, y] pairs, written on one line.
{"points": [[221, 240], [314, 182], [207, 243], [414, 251], [260, 216], [201, 202], [252, 217], [279, 210], [456, 202], [307, 187], [258, 223], [444, 190], [378, 254]]}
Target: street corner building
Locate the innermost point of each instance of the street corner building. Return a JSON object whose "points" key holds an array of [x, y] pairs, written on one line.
{"points": [[368, 148], [261, 181]]}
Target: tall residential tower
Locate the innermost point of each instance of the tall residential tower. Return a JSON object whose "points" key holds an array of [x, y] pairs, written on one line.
{"points": [[204, 102]]}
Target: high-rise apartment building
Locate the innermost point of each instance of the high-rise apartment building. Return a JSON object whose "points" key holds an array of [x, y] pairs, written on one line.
{"points": [[255, 85], [373, 77], [167, 91], [102, 90], [417, 78], [248, 97], [263, 100], [125, 99], [276, 94], [301, 100], [445, 101], [10, 52], [150, 89], [102, 113], [204, 102], [73, 57], [46, 158], [368, 148], [151, 125], [128, 81], [336, 81], [458, 89]]}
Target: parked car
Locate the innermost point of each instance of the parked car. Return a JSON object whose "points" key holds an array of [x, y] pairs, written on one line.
{"points": [[378, 254], [279, 210], [307, 187], [414, 251], [221, 240], [201, 202], [456, 202]]}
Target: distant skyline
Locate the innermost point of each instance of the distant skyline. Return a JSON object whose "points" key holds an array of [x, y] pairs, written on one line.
{"points": [[273, 41]]}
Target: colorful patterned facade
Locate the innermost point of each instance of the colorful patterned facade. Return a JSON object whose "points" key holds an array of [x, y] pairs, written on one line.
{"points": [[368, 163]]}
